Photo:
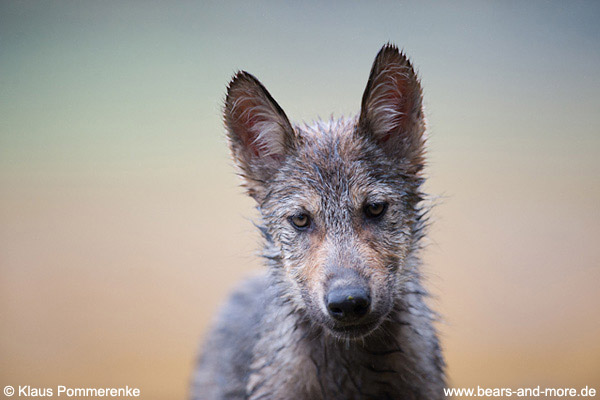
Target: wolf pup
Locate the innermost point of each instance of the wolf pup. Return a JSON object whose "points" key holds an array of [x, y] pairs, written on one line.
{"points": [[340, 313]]}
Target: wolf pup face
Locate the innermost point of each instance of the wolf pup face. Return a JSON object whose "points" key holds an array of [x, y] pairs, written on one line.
{"points": [[339, 200]]}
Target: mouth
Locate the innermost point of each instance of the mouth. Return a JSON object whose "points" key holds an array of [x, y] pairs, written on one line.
{"points": [[353, 331]]}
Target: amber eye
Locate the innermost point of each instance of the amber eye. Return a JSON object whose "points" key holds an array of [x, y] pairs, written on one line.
{"points": [[300, 221], [375, 210]]}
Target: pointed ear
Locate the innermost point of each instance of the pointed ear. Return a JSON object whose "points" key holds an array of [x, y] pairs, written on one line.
{"points": [[391, 110], [259, 133]]}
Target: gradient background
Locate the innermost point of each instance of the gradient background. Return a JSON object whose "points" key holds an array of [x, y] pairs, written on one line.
{"points": [[122, 227]]}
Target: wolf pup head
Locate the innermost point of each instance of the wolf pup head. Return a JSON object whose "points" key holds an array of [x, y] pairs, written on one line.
{"points": [[339, 200]]}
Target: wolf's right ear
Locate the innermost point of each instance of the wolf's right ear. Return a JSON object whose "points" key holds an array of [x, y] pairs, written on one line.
{"points": [[260, 135]]}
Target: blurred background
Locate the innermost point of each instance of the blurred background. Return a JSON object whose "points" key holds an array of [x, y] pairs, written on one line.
{"points": [[122, 226]]}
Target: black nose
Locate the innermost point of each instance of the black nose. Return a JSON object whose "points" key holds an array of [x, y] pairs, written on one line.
{"points": [[348, 304]]}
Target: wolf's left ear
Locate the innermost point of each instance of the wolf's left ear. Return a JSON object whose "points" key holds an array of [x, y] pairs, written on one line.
{"points": [[392, 108], [260, 135]]}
